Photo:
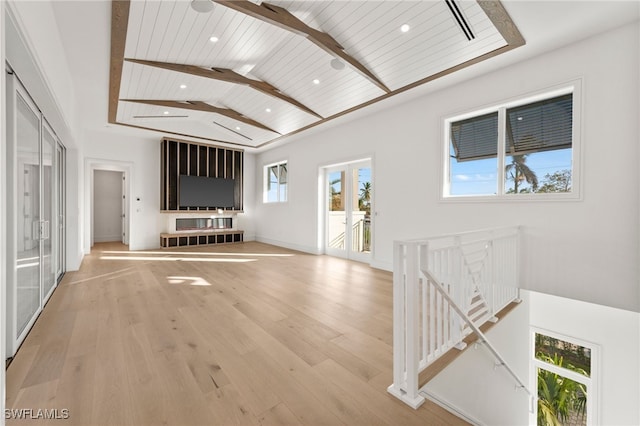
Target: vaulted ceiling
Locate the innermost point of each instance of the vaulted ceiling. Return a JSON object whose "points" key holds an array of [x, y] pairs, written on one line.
{"points": [[247, 73]]}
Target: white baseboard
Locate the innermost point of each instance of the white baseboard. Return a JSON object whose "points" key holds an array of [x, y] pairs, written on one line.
{"points": [[106, 238], [305, 249], [381, 264], [248, 237]]}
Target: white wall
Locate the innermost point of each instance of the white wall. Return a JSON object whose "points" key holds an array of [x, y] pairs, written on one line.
{"points": [[36, 52], [74, 224], [479, 390], [585, 249], [140, 155], [107, 206], [616, 332]]}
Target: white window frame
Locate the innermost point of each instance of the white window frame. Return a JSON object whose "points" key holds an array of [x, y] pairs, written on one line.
{"points": [[575, 88], [591, 382], [265, 187]]}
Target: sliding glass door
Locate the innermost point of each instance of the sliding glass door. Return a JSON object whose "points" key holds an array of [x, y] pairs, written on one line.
{"points": [[26, 291], [348, 210], [35, 177]]}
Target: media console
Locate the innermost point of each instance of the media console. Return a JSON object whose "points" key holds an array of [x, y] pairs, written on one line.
{"points": [[198, 238]]}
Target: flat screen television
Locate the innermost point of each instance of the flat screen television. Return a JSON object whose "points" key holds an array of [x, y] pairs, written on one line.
{"points": [[201, 191]]}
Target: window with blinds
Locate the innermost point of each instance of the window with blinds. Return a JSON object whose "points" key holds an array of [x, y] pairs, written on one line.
{"points": [[517, 148]]}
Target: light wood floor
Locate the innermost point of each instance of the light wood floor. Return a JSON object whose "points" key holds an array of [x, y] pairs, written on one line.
{"points": [[242, 334]]}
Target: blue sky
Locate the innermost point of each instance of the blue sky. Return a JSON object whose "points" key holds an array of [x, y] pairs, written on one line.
{"points": [[480, 176], [364, 175]]}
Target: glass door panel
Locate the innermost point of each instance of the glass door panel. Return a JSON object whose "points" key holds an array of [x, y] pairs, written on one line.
{"points": [[48, 212], [27, 293], [336, 211], [361, 209]]}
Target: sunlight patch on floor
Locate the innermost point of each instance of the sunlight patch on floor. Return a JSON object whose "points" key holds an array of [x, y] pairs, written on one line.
{"points": [[196, 281], [202, 253], [175, 259]]}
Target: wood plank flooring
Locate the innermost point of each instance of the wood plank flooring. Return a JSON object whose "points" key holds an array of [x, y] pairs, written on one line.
{"points": [[243, 334]]}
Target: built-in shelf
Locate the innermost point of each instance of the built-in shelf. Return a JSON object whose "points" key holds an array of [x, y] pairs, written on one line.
{"points": [[199, 238]]}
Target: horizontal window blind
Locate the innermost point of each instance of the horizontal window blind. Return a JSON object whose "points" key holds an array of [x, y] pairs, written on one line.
{"points": [[540, 126], [475, 138]]}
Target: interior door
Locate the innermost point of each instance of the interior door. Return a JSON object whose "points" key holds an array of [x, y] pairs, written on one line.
{"points": [[125, 236], [348, 210]]}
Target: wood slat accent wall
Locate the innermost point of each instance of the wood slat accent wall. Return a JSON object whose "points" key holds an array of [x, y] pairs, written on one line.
{"points": [[180, 157]]}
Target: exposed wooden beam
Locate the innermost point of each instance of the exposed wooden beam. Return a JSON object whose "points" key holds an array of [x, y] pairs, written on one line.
{"points": [[230, 76], [502, 21], [202, 106], [282, 18], [119, 23]]}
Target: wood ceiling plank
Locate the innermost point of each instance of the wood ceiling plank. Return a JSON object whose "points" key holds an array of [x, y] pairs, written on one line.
{"points": [[180, 30], [227, 75], [167, 23], [202, 106], [284, 19]]}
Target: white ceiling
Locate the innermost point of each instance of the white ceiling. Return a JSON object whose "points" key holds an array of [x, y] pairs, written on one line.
{"points": [[170, 31]]}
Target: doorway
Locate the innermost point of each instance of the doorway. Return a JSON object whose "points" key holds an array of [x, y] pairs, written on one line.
{"points": [[109, 211], [91, 166], [348, 189]]}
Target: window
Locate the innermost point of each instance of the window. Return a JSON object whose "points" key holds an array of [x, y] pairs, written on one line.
{"points": [[525, 147], [564, 371], [275, 182]]}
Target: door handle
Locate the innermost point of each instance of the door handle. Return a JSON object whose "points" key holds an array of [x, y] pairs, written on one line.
{"points": [[43, 230]]}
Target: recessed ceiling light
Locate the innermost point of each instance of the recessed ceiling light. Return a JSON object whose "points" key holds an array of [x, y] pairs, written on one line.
{"points": [[202, 6], [166, 113], [404, 28], [316, 81], [268, 109], [183, 86], [237, 127], [213, 39]]}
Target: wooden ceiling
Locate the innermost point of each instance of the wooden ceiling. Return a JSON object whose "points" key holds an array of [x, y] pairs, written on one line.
{"points": [[277, 68]]}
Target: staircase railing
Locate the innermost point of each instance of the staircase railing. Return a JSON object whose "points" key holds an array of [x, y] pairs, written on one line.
{"points": [[445, 288]]}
